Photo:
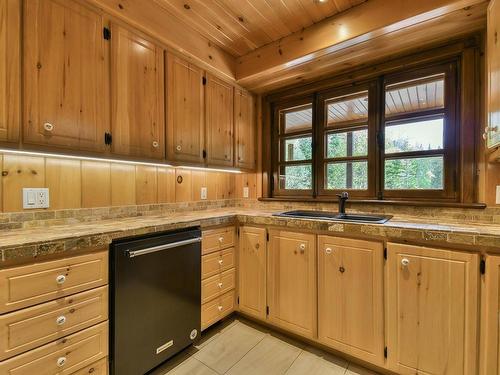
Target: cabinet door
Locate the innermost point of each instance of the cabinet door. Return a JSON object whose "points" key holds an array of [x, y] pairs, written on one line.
{"points": [[432, 310], [350, 297], [219, 122], [490, 327], [65, 91], [252, 271], [244, 127], [10, 83], [292, 281], [138, 125], [185, 111], [493, 60]]}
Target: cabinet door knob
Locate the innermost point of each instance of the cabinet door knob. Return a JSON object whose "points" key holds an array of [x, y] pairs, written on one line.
{"points": [[178, 147], [219, 285], [60, 279], [155, 144], [61, 320], [328, 250], [302, 247], [221, 262], [405, 262], [61, 361], [48, 126], [219, 307]]}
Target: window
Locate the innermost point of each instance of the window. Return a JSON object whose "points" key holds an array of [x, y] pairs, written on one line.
{"points": [[393, 137]]}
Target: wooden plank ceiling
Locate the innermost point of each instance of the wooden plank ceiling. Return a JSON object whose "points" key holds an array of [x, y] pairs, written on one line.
{"points": [[242, 26]]}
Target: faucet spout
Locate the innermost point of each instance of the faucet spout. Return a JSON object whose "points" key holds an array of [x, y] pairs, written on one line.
{"points": [[343, 197]]}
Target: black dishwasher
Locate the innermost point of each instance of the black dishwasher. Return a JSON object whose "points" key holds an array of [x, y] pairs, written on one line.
{"points": [[155, 298]]}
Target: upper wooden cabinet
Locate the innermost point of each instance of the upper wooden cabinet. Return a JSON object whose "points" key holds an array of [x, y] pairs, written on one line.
{"points": [[252, 271], [137, 92], [291, 285], [432, 307], [493, 62], [219, 122], [350, 297], [10, 31], [490, 310], [185, 111], [65, 75], [244, 128]]}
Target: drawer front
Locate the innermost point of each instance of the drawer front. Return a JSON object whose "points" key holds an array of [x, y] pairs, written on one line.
{"points": [[217, 239], [217, 309], [62, 357], [216, 285], [98, 368], [36, 283], [214, 263], [34, 326]]}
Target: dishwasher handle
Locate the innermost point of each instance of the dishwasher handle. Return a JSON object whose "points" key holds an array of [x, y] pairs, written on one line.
{"points": [[154, 249]]}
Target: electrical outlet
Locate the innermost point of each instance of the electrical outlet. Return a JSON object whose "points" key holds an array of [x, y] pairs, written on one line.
{"points": [[203, 193], [35, 198], [246, 192], [498, 195]]}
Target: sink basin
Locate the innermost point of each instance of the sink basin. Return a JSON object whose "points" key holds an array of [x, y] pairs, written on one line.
{"points": [[334, 216]]}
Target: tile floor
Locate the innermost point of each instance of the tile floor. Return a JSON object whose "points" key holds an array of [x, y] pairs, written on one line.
{"points": [[240, 347]]}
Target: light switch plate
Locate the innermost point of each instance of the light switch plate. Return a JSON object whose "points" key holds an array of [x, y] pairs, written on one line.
{"points": [[203, 193], [35, 198], [246, 192], [498, 195]]}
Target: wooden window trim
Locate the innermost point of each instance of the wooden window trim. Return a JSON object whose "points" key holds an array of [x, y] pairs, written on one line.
{"points": [[465, 53]]}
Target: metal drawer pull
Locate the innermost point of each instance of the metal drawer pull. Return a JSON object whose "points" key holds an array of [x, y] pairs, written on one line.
{"points": [[48, 126], [221, 262], [155, 144], [302, 247], [61, 320], [154, 249], [60, 279], [405, 262], [219, 285], [61, 361], [328, 250], [221, 239], [220, 308], [178, 147]]}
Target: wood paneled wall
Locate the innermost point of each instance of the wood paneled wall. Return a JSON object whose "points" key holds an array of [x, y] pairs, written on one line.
{"points": [[85, 184]]}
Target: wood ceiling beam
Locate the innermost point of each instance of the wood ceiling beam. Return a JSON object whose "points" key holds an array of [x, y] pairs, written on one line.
{"points": [[358, 25], [154, 20]]}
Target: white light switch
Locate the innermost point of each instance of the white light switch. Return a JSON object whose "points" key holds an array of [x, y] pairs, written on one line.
{"points": [[203, 193], [246, 192], [35, 198], [498, 194]]}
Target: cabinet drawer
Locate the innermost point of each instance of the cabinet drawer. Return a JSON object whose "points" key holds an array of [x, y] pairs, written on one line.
{"points": [[34, 326], [98, 368], [62, 357], [217, 239], [40, 282], [214, 263], [216, 285], [217, 309]]}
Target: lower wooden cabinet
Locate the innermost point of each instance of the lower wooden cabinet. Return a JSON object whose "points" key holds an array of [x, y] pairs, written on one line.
{"points": [[217, 309], [291, 286], [490, 324], [252, 271], [350, 297], [432, 310], [97, 368]]}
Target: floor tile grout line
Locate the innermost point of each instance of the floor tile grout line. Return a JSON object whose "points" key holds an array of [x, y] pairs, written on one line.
{"points": [[204, 364], [249, 350], [295, 359]]}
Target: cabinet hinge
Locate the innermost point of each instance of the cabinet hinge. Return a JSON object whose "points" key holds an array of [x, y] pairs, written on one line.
{"points": [[482, 266], [204, 81], [204, 154], [238, 233], [106, 33], [271, 182], [385, 253], [267, 236], [385, 352], [238, 300], [108, 138], [267, 310]]}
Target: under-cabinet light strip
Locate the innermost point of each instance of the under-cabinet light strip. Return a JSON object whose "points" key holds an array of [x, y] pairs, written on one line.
{"points": [[119, 161]]}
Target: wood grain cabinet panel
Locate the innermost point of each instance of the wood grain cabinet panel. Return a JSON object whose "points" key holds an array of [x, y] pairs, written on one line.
{"points": [[217, 262], [185, 114], [219, 122], [489, 363], [493, 67], [350, 297], [291, 281], [65, 77], [217, 239], [217, 309], [137, 88], [252, 255], [244, 130], [216, 285], [10, 77], [432, 310]]}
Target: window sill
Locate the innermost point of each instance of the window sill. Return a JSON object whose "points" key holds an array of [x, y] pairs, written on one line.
{"points": [[382, 202]]}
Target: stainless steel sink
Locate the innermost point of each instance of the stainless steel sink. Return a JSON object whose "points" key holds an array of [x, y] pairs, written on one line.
{"points": [[334, 216]]}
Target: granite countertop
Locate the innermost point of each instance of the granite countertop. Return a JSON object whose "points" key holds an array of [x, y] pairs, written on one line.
{"points": [[21, 244]]}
